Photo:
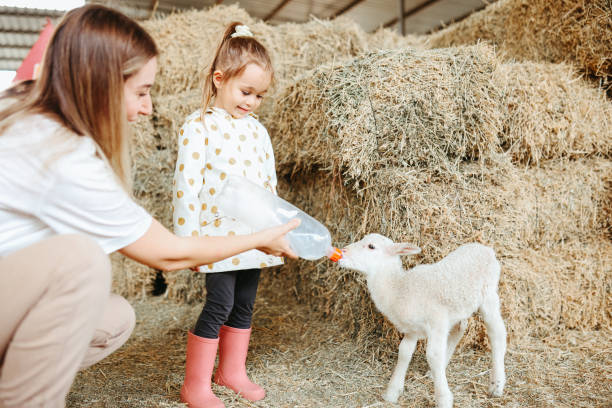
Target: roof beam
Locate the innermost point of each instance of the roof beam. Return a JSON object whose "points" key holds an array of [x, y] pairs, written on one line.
{"points": [[410, 12], [346, 8], [276, 9]]}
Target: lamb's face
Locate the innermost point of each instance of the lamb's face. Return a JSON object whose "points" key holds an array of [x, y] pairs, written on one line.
{"points": [[369, 255]]}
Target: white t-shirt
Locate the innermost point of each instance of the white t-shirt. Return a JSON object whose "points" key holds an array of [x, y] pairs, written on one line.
{"points": [[53, 182]]}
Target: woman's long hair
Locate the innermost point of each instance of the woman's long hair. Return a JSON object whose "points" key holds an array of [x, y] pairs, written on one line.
{"points": [[90, 55], [232, 56]]}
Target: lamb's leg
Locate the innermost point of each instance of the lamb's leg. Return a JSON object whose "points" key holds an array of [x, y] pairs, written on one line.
{"points": [[453, 338], [436, 357], [496, 331], [396, 384]]}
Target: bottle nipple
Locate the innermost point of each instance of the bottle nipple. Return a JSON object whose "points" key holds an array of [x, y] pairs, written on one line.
{"points": [[335, 254]]}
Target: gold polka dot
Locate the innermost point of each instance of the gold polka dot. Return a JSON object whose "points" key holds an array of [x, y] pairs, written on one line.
{"points": [[204, 206], [181, 167], [181, 221], [231, 233], [263, 265], [202, 171], [233, 125], [232, 161], [260, 159], [182, 135], [191, 182], [217, 151], [203, 181], [198, 130], [226, 136], [247, 163], [211, 266], [222, 176], [213, 209], [255, 135], [240, 149], [194, 233], [242, 138], [206, 141], [217, 223], [185, 142], [191, 207], [204, 223], [174, 182], [212, 191], [179, 194], [267, 156], [196, 155], [198, 119], [209, 166], [214, 127], [236, 261]]}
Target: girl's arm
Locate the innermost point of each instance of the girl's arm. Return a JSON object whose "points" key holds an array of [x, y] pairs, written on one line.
{"points": [[160, 249]]}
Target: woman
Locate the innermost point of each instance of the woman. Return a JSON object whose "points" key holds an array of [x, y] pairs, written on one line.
{"points": [[64, 205]]}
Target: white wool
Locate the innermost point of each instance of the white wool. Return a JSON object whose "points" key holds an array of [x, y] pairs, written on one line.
{"points": [[432, 301]]}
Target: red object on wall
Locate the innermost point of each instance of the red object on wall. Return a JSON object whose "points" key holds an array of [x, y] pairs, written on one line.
{"points": [[31, 63]]}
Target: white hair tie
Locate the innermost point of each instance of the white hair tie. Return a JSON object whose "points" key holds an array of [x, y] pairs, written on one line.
{"points": [[242, 31]]}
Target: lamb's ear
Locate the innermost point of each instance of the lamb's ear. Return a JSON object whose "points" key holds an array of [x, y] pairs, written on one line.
{"points": [[403, 248]]}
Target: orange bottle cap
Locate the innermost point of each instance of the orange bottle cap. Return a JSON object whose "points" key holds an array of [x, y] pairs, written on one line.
{"points": [[335, 255]]}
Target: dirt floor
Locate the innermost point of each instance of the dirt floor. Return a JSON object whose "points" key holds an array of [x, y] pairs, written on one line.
{"points": [[304, 362]]}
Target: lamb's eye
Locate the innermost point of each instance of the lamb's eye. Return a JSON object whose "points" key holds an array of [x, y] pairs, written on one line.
{"points": [[371, 246]]}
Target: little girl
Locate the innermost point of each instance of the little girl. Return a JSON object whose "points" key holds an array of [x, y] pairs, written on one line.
{"points": [[224, 138]]}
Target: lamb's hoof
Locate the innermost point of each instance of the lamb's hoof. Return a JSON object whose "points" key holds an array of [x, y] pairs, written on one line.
{"points": [[391, 396], [496, 388]]}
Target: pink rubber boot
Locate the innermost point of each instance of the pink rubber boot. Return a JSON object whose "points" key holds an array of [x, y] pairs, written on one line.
{"points": [[231, 372], [196, 391]]}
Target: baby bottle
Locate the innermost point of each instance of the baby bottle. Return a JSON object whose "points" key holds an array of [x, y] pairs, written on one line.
{"points": [[259, 208]]}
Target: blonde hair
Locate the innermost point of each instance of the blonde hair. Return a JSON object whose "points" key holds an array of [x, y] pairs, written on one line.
{"points": [[90, 55], [232, 56]]}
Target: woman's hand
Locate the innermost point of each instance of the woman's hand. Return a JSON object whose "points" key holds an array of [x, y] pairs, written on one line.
{"points": [[274, 240]]}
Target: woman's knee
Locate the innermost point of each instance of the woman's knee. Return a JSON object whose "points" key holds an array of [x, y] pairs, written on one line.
{"points": [[83, 257]]}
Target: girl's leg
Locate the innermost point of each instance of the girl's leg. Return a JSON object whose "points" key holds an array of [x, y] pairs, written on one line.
{"points": [[203, 342], [247, 282], [51, 299], [234, 339], [219, 303]]}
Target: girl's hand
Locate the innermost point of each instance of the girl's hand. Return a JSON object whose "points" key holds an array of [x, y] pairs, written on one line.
{"points": [[274, 240]]}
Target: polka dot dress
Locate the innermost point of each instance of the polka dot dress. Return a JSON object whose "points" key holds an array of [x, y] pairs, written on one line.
{"points": [[210, 149]]}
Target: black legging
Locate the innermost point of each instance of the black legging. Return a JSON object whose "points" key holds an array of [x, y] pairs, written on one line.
{"points": [[230, 297]]}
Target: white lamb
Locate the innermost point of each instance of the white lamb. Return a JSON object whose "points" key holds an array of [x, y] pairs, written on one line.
{"points": [[432, 301]]}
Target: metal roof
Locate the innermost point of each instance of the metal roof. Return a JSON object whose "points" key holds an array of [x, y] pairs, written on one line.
{"points": [[19, 27]]}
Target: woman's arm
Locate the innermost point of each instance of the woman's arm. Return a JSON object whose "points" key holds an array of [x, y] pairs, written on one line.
{"points": [[160, 249]]}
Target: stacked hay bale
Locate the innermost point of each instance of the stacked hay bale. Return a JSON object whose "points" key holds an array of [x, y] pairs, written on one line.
{"points": [[575, 31], [440, 147], [187, 43]]}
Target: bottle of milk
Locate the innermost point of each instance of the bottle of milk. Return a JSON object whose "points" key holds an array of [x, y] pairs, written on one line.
{"points": [[259, 208]]}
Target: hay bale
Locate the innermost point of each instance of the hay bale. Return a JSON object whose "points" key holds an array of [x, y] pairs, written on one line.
{"points": [[556, 261], [186, 41], [576, 31], [427, 109], [550, 112]]}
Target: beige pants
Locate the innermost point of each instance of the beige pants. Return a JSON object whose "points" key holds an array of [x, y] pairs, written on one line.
{"points": [[56, 317]]}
